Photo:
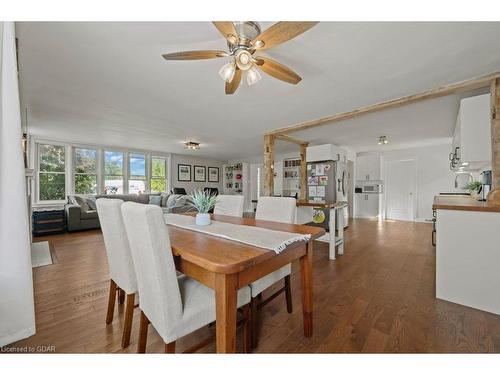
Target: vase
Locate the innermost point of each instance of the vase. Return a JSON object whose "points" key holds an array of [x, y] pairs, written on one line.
{"points": [[202, 219]]}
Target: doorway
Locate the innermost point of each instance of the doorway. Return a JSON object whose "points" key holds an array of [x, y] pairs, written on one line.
{"points": [[400, 196]]}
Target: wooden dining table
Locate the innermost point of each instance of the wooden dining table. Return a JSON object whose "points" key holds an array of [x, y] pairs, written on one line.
{"points": [[226, 266]]}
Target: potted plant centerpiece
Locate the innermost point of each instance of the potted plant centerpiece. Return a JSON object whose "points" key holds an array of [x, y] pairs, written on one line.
{"points": [[203, 202], [474, 187]]}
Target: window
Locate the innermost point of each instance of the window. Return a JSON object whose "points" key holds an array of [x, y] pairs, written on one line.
{"points": [[51, 173], [137, 173], [158, 174], [85, 164], [113, 172]]}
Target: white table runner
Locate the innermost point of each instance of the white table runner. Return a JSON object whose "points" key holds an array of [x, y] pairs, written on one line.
{"points": [[268, 239]]}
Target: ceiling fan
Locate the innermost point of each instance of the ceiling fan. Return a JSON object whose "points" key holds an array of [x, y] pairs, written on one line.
{"points": [[244, 39]]}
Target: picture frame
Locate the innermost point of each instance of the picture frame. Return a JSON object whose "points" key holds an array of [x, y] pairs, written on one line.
{"points": [[183, 172], [213, 174], [200, 173]]}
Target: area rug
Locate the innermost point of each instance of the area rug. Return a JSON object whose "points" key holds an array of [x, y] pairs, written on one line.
{"points": [[40, 254]]}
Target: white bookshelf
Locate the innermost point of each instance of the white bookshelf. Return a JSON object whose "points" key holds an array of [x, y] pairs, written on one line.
{"points": [[235, 178]]}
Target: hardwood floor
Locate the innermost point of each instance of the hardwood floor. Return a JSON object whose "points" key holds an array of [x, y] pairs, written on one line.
{"points": [[378, 297]]}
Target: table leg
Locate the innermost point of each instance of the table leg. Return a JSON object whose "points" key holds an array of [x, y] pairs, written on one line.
{"points": [[225, 295], [340, 226], [331, 229], [307, 285]]}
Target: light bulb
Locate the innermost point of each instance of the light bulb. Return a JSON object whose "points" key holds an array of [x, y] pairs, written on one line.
{"points": [[227, 72], [253, 76]]}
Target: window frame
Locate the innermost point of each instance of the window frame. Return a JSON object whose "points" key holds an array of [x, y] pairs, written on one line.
{"points": [[73, 167], [152, 177], [124, 174], [38, 172]]}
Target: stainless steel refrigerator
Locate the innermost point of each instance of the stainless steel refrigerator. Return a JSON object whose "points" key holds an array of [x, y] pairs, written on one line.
{"points": [[327, 181]]}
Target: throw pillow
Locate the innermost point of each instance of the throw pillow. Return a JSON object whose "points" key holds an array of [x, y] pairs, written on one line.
{"points": [[164, 198], [91, 203], [82, 203], [175, 200], [155, 199]]}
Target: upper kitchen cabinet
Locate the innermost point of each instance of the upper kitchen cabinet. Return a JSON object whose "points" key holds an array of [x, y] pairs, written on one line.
{"points": [[325, 153], [471, 146], [368, 167]]}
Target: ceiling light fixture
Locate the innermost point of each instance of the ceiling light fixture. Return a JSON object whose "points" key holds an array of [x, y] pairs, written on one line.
{"points": [[382, 140], [253, 76], [192, 145], [227, 72]]}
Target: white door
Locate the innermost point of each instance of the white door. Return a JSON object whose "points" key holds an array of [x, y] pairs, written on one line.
{"points": [[400, 189]]}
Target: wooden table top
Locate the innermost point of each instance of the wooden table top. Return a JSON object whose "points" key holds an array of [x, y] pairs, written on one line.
{"points": [[323, 204], [462, 203], [220, 255]]}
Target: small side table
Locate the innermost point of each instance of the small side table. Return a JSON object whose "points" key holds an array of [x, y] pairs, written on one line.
{"points": [[48, 222]]}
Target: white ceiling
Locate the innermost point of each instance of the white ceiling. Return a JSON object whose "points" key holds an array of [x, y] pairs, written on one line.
{"points": [[107, 83]]}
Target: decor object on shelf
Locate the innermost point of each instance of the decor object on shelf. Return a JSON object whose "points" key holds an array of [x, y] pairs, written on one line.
{"points": [[213, 174], [203, 202], [200, 173], [474, 187], [244, 38], [183, 172]]}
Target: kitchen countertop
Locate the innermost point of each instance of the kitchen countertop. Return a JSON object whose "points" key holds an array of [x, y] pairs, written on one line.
{"points": [[322, 204], [462, 203]]}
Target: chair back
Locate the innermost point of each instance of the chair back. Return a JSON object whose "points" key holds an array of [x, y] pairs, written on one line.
{"points": [[121, 266], [231, 205], [211, 190], [180, 191], [281, 209], [160, 297]]}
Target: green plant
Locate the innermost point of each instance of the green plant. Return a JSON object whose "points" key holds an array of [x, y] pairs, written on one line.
{"points": [[202, 201], [473, 186]]}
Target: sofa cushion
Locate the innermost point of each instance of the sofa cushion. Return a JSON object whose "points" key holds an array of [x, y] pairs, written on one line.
{"points": [[82, 202], [155, 199], [91, 203], [88, 215]]}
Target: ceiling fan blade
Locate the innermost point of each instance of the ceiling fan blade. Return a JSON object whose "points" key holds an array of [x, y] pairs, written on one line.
{"points": [[277, 70], [280, 32], [233, 85], [227, 30], [194, 55]]}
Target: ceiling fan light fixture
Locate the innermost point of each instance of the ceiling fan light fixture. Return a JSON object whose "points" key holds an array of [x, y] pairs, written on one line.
{"points": [[227, 72], [253, 76]]}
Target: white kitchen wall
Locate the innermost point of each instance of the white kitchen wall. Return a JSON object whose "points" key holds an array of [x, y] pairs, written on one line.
{"points": [[433, 174], [177, 159]]}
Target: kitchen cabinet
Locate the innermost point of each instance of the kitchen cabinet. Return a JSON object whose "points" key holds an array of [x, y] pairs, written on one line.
{"points": [[368, 167], [471, 145], [367, 205]]}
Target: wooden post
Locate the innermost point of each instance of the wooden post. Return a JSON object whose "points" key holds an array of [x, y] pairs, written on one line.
{"points": [[268, 165], [303, 172], [495, 134]]}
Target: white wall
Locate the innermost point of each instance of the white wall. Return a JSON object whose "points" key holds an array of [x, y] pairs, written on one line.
{"points": [[17, 313], [176, 159], [433, 174]]}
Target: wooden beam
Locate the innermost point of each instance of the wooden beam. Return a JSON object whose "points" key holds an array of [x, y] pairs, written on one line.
{"points": [[303, 172], [287, 138], [467, 85], [268, 165], [495, 134]]}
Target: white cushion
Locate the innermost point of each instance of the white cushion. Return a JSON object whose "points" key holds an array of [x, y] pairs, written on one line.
{"points": [[174, 305], [280, 209], [121, 266], [231, 205]]}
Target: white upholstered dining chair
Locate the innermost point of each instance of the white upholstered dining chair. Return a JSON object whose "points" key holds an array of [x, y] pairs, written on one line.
{"points": [[281, 210], [231, 205], [174, 305], [121, 267]]}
